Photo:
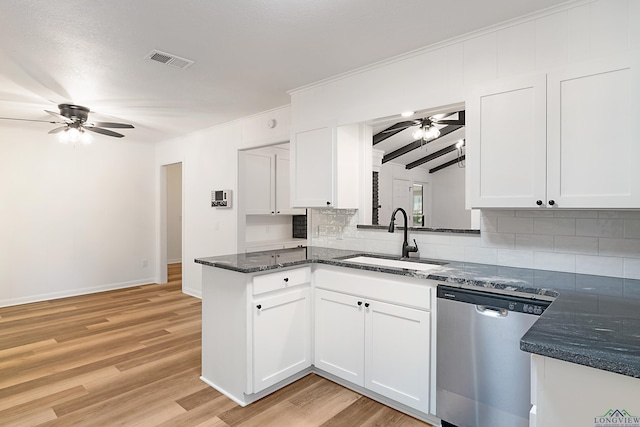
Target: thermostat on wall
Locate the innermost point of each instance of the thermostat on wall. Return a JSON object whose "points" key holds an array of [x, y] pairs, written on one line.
{"points": [[221, 199]]}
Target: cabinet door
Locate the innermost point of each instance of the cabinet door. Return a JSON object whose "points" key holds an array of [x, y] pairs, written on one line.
{"points": [[313, 169], [283, 195], [397, 353], [258, 191], [281, 337], [339, 335], [593, 138], [506, 143]]}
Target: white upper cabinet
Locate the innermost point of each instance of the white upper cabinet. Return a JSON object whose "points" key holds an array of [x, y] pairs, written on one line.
{"points": [[258, 189], [593, 141], [265, 182], [565, 139], [326, 165], [506, 125]]}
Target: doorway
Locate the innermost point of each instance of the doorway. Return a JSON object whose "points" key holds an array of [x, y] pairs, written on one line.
{"points": [[171, 224]]}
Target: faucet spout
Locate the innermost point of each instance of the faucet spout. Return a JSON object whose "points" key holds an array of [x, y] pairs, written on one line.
{"points": [[406, 248]]}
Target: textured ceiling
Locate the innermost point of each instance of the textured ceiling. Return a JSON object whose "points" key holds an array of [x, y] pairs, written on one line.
{"points": [[247, 53]]}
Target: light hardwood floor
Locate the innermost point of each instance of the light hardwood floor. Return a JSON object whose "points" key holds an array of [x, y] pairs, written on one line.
{"points": [[132, 357]]}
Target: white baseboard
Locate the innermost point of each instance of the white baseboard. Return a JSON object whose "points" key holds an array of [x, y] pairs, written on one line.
{"points": [[192, 292], [74, 292], [174, 261]]}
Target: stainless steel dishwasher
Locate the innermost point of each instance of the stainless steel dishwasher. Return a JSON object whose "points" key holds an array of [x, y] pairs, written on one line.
{"points": [[482, 376]]}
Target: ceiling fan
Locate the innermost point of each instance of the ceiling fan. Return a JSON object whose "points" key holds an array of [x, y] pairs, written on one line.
{"points": [[74, 120], [428, 122]]}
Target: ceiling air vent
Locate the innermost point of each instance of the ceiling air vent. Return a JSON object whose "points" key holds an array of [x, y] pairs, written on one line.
{"points": [[169, 59]]}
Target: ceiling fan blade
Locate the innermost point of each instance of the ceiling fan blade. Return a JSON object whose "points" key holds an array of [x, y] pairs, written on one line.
{"points": [[401, 125], [59, 116], [113, 125], [103, 131], [56, 130], [28, 120]]}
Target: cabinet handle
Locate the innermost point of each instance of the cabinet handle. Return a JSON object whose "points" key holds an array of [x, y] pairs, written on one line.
{"points": [[539, 202], [359, 303], [286, 279], [259, 306], [552, 202], [366, 304]]}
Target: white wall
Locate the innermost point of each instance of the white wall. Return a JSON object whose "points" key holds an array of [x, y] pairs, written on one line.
{"points": [[174, 213], [73, 220], [210, 162], [447, 198]]}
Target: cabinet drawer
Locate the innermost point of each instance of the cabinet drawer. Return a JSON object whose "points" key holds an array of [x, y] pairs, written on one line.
{"points": [[401, 290], [281, 280]]}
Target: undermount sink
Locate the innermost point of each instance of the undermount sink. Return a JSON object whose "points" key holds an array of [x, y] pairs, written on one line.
{"points": [[395, 263]]}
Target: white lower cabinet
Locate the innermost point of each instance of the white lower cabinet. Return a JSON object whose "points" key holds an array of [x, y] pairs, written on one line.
{"points": [[281, 342], [339, 335], [380, 346], [396, 361]]}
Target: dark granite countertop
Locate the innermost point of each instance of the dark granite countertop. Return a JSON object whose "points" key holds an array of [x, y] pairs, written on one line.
{"points": [[594, 320]]}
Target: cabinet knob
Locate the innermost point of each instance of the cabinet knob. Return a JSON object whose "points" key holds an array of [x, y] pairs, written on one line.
{"points": [[366, 304], [278, 211], [286, 279], [328, 203], [359, 302], [552, 202], [539, 202], [259, 306], [272, 212]]}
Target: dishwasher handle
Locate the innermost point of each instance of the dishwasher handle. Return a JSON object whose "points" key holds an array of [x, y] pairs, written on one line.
{"points": [[491, 311]]}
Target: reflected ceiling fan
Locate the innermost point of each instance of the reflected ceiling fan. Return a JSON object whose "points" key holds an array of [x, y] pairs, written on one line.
{"points": [[427, 128], [74, 120]]}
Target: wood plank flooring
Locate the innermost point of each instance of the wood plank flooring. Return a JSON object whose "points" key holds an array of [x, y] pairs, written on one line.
{"points": [[132, 357]]}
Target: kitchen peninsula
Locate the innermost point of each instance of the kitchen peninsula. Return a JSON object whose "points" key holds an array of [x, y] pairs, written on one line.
{"points": [[593, 330]]}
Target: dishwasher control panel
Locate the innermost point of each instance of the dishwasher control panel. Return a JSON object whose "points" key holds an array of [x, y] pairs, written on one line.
{"points": [[491, 299]]}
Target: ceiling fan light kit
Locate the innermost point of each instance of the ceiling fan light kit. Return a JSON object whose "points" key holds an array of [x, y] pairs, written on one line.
{"points": [[73, 119]]}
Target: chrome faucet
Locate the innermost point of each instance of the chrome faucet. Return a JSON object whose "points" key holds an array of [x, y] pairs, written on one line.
{"points": [[405, 244]]}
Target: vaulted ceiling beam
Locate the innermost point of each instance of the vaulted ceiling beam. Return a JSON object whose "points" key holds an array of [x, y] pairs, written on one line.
{"points": [[432, 156], [417, 144], [384, 134], [447, 164]]}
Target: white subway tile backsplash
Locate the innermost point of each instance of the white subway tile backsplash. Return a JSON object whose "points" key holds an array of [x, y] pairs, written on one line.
{"points": [[515, 225], [628, 248], [576, 245], [587, 241], [453, 253], [489, 224], [555, 261], [555, 226], [498, 240], [574, 214], [481, 255], [619, 214], [600, 227], [537, 213], [511, 258], [599, 265], [631, 268], [462, 240], [497, 213], [631, 229], [534, 242]]}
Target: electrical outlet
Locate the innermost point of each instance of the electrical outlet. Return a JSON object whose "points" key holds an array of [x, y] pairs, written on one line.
{"points": [[145, 263]]}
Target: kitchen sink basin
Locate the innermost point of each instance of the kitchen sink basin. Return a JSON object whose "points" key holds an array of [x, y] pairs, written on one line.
{"points": [[394, 263]]}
